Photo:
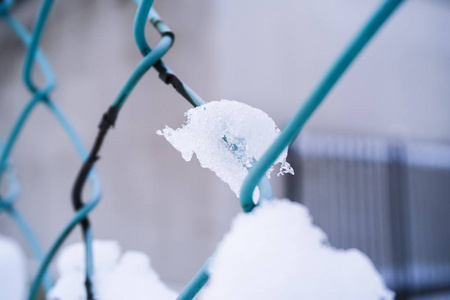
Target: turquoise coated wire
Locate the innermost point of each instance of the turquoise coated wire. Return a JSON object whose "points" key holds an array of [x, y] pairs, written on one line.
{"points": [[196, 283], [150, 56], [144, 48], [25, 37], [32, 47], [7, 200], [33, 53], [146, 63], [295, 125], [17, 129], [6, 205], [143, 11], [20, 221], [31, 238], [79, 215], [5, 5], [44, 65], [26, 230]]}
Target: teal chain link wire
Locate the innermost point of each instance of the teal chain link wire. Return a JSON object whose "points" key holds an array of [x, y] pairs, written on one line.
{"points": [[40, 95], [151, 58]]}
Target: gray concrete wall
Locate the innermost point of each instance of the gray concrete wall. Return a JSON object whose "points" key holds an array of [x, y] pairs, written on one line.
{"points": [[268, 54]]}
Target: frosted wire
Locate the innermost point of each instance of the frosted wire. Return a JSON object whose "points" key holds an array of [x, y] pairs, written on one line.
{"points": [[227, 137]]}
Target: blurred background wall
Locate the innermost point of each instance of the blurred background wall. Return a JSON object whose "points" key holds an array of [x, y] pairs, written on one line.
{"points": [[268, 54]]}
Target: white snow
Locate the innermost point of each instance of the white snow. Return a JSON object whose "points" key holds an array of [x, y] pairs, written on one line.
{"points": [[12, 270], [227, 137], [275, 252], [116, 277]]}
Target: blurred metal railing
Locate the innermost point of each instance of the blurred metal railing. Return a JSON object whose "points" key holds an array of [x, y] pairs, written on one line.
{"points": [[389, 199]]}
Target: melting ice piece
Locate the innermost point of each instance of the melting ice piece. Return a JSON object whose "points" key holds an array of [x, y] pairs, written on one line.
{"points": [[12, 270], [227, 137], [275, 252], [115, 278]]}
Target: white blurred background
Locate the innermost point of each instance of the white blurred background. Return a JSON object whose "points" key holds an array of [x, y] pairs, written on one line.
{"points": [[268, 54]]}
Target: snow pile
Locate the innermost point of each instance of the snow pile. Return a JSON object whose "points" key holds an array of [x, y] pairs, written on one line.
{"points": [[115, 278], [227, 137], [275, 252], [12, 270]]}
